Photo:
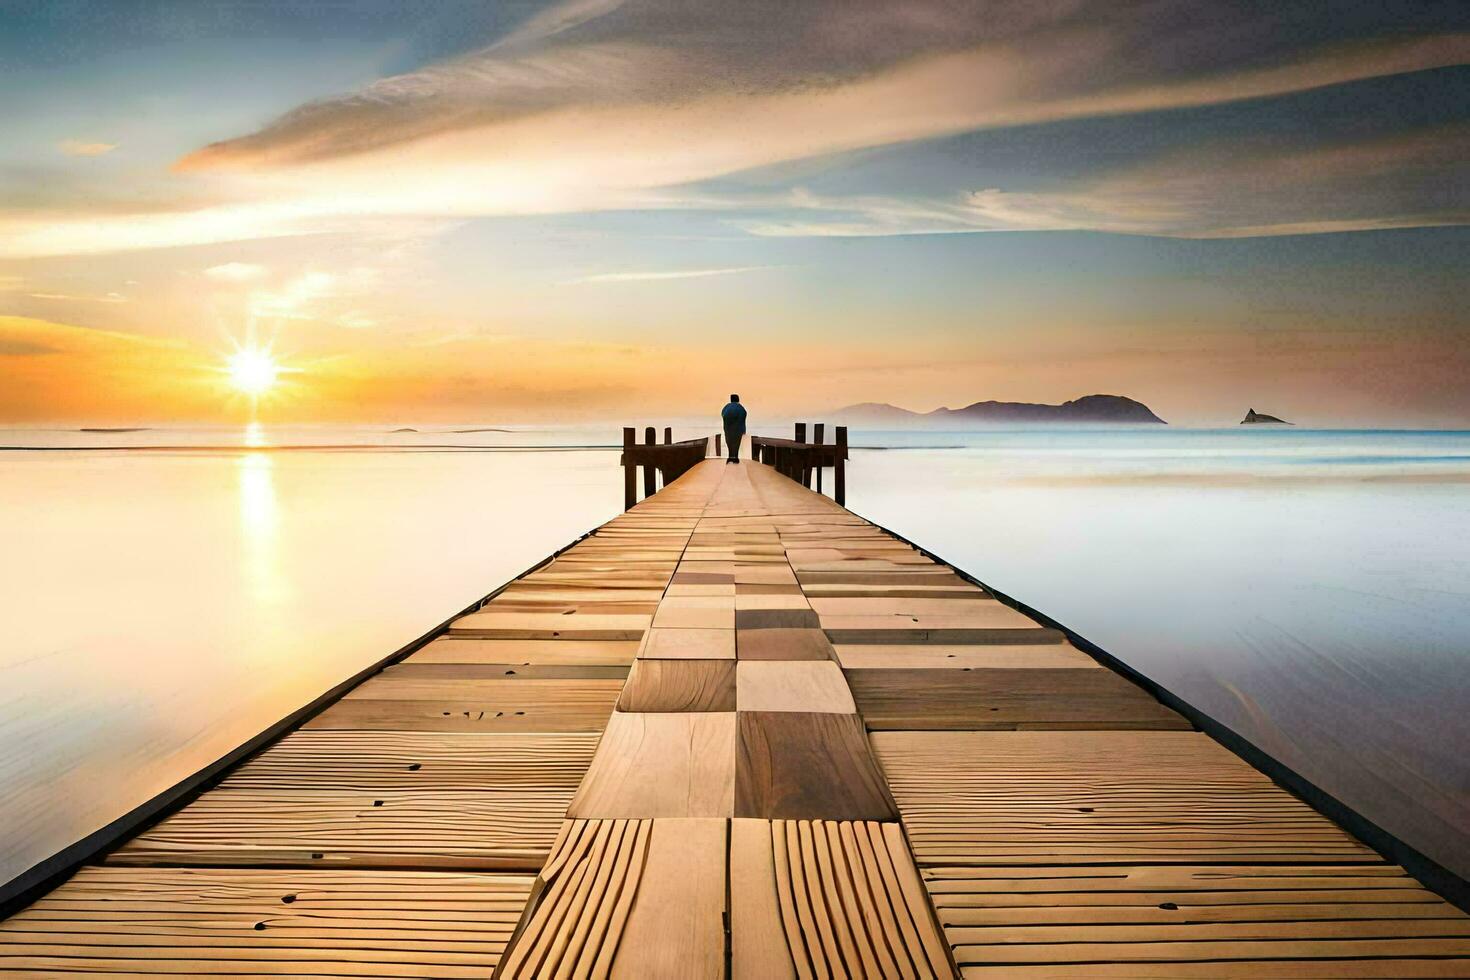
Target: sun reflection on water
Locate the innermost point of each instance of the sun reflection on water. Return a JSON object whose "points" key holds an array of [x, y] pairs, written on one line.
{"points": [[258, 518]]}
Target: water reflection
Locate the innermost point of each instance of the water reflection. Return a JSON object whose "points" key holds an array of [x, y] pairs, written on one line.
{"points": [[258, 520], [223, 590]]}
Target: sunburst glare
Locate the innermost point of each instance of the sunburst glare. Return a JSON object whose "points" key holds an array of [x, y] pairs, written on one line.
{"points": [[252, 370]]}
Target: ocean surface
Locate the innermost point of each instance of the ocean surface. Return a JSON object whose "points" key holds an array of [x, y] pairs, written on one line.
{"points": [[167, 593]]}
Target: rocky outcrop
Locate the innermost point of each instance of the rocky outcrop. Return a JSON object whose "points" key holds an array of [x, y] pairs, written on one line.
{"points": [[1087, 410], [1252, 417]]}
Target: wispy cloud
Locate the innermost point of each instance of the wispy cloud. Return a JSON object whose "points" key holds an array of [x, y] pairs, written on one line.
{"points": [[84, 148], [670, 274], [1210, 192], [598, 105], [72, 298], [236, 272]]}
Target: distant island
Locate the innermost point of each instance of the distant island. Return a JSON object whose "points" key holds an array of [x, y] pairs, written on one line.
{"points": [[1253, 417], [1089, 409]]}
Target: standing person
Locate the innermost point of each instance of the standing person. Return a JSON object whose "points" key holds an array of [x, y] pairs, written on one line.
{"points": [[733, 416]]}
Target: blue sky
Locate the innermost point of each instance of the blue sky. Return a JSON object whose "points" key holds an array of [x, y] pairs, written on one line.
{"points": [[1202, 206]]}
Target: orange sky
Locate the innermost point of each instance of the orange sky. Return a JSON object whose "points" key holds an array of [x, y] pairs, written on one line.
{"points": [[573, 210]]}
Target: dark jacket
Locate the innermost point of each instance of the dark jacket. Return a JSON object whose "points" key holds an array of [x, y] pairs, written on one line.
{"points": [[734, 416]]}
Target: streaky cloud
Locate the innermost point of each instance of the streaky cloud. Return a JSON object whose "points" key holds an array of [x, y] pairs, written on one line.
{"points": [[597, 105], [671, 274]]}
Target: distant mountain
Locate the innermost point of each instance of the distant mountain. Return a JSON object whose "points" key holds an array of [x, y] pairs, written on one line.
{"points": [[1253, 417], [1093, 409]]}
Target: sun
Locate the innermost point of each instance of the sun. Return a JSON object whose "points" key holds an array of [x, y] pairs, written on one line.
{"points": [[252, 371]]}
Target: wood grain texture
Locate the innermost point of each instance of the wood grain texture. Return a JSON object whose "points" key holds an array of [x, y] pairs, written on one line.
{"points": [[1005, 698], [454, 650], [505, 672], [676, 927], [760, 946], [496, 690], [930, 656], [1200, 917], [792, 685], [688, 644], [661, 765], [492, 625], [860, 629], [242, 922], [1023, 798], [785, 619], [510, 829], [519, 714], [696, 612], [377, 762], [831, 899], [783, 644], [798, 765], [973, 606], [581, 901], [680, 685]]}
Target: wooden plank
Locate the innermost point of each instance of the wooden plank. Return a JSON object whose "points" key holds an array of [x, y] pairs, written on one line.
{"points": [[1003, 698], [807, 765], [841, 904], [759, 948], [676, 927], [905, 636], [688, 644], [681, 685], [452, 650], [579, 906], [792, 685], [770, 600], [763, 574], [924, 656], [661, 765], [780, 644], [988, 614], [520, 714], [763, 619], [696, 612], [969, 605], [492, 625], [1114, 797], [212, 921], [511, 829], [497, 690], [525, 672], [374, 762]]}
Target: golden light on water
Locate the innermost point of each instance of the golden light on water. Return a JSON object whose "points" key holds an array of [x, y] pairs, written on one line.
{"points": [[252, 370]]}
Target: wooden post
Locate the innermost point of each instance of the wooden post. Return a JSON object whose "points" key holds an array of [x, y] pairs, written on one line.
{"points": [[839, 474], [818, 431], [668, 435], [650, 472], [630, 468], [718, 451], [798, 458]]}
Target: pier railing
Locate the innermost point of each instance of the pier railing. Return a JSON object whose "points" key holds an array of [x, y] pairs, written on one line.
{"points": [[804, 461], [666, 461]]}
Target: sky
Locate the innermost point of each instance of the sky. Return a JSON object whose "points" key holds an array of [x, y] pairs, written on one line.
{"points": [[621, 210]]}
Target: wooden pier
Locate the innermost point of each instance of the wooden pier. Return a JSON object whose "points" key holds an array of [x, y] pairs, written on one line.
{"points": [[740, 731]]}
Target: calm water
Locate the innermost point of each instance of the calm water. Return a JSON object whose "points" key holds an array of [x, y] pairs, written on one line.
{"points": [[1310, 589], [159, 604]]}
